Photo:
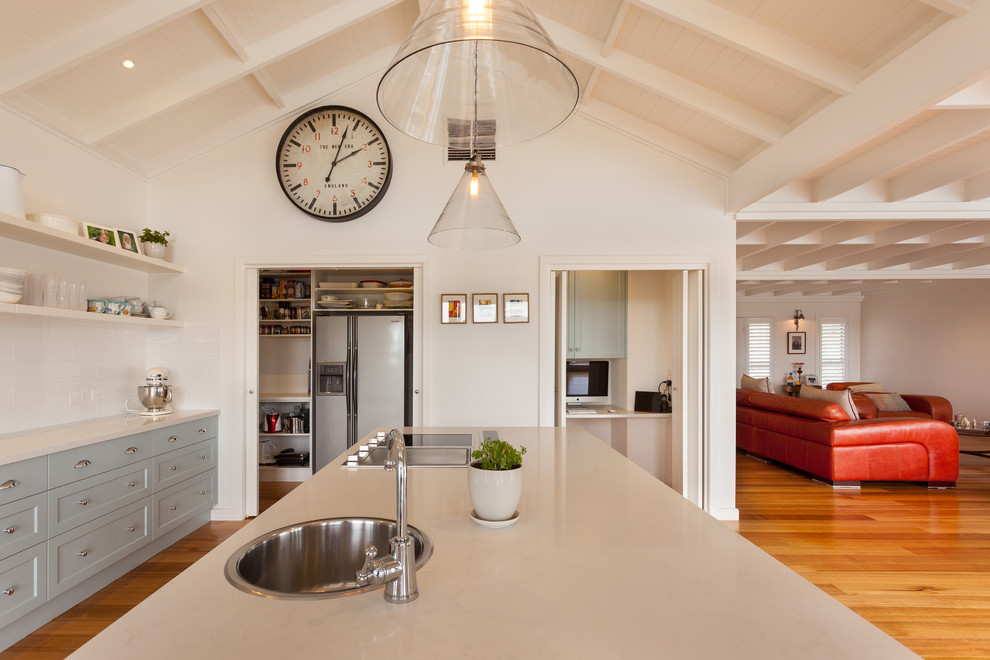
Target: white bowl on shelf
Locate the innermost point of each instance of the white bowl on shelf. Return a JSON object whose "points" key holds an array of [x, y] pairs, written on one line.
{"points": [[60, 222], [398, 297], [10, 298]]}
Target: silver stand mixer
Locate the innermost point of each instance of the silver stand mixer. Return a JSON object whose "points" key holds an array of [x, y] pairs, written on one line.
{"points": [[155, 395]]}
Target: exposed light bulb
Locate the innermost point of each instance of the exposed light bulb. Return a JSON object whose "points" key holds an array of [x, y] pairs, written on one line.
{"points": [[127, 63], [474, 185]]}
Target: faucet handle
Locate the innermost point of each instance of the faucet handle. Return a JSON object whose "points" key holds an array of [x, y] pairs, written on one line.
{"points": [[377, 571]]}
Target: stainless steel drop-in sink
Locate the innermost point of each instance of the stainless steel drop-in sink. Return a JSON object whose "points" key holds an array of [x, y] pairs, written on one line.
{"points": [[415, 457], [315, 559]]}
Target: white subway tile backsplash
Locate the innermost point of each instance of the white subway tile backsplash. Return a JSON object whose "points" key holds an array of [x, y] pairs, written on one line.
{"points": [[54, 371]]}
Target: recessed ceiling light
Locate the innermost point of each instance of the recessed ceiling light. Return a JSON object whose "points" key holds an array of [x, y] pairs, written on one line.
{"points": [[127, 63]]}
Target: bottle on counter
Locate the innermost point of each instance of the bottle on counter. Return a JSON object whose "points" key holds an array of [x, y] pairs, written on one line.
{"points": [[790, 378]]}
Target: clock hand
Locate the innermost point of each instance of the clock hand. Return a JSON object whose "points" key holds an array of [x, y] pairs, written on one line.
{"points": [[334, 163], [353, 153]]}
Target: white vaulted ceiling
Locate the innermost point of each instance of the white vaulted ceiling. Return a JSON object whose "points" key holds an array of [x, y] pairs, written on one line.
{"points": [[854, 135]]}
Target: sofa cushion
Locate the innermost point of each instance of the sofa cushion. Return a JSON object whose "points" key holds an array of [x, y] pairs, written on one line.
{"points": [[888, 401], [756, 384], [859, 388], [841, 397], [788, 405]]}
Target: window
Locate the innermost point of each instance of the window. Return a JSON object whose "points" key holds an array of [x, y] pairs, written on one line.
{"points": [[758, 347], [832, 345]]}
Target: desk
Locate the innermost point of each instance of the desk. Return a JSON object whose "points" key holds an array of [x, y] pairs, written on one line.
{"points": [[642, 437]]}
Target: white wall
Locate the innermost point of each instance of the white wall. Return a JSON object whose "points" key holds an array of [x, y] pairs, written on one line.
{"points": [[931, 339], [782, 313], [578, 190]]}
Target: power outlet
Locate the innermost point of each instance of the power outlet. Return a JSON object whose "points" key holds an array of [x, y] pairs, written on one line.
{"points": [[98, 394], [75, 396]]}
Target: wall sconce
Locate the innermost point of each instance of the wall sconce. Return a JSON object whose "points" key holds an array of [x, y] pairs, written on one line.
{"points": [[798, 317]]}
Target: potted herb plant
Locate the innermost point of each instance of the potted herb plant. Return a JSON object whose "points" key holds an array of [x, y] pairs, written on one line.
{"points": [[153, 242], [495, 480]]}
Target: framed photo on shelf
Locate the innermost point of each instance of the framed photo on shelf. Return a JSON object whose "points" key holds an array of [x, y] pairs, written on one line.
{"points": [[515, 308], [453, 308], [128, 241], [484, 307], [100, 234], [795, 342]]}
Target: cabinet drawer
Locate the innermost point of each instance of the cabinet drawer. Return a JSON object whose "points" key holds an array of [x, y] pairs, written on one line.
{"points": [[77, 503], [23, 523], [23, 478], [179, 503], [86, 550], [23, 583], [181, 464], [185, 434], [75, 464]]}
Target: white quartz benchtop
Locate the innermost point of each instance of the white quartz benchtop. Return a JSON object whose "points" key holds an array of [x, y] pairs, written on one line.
{"points": [[605, 562], [22, 445]]}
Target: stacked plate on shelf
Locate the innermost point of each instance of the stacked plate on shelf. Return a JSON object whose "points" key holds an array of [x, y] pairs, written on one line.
{"points": [[12, 284], [335, 304]]}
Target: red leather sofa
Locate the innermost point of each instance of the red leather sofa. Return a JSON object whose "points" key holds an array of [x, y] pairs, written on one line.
{"points": [[818, 437], [923, 406]]}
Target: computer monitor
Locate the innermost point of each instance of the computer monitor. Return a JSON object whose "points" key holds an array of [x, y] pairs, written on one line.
{"points": [[587, 381]]}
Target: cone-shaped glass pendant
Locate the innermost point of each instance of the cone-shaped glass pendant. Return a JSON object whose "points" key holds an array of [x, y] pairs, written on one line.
{"points": [[474, 218], [486, 60]]}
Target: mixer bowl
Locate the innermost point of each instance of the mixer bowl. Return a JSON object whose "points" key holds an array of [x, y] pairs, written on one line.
{"points": [[154, 397]]}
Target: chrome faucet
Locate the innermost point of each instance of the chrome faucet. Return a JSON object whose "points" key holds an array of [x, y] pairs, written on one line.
{"points": [[396, 571]]}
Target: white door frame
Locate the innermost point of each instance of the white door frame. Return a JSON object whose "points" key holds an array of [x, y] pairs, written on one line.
{"points": [[549, 264], [246, 344]]}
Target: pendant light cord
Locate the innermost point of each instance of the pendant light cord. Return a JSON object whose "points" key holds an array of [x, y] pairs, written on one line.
{"points": [[474, 124]]}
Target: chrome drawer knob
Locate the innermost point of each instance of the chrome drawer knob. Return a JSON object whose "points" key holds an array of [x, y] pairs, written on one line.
{"points": [[83, 553], [172, 438], [202, 492], [202, 430], [203, 457], [8, 591], [131, 528], [130, 450], [131, 484], [9, 530], [10, 483], [81, 464], [172, 468], [173, 508], [83, 502]]}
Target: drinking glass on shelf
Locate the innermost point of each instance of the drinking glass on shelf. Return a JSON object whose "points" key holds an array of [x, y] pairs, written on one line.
{"points": [[50, 295]]}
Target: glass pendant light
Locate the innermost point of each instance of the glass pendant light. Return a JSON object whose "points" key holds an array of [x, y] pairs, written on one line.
{"points": [[485, 58], [474, 218]]}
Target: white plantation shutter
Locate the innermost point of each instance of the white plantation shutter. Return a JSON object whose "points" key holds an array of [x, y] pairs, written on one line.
{"points": [[758, 347], [833, 350]]}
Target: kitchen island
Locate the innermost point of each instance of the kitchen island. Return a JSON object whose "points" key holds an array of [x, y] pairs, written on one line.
{"points": [[604, 562]]}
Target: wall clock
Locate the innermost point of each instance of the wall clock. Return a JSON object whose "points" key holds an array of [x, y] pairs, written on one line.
{"points": [[334, 163]]}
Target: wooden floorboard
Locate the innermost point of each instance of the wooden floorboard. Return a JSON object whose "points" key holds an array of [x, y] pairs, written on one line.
{"points": [[915, 562]]}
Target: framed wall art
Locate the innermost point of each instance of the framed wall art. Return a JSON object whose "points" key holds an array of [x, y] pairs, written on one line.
{"points": [[453, 308], [484, 308], [515, 308], [795, 342]]}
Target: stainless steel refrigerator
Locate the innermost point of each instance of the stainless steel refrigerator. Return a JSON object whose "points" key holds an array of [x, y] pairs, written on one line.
{"points": [[362, 378]]}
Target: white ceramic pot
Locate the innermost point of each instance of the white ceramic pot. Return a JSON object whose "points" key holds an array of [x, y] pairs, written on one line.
{"points": [[495, 494], [156, 250], [11, 199]]}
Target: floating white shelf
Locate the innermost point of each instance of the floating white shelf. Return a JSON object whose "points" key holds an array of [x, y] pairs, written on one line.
{"points": [[76, 315], [54, 239]]}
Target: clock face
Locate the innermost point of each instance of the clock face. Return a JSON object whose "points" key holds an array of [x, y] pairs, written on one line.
{"points": [[334, 163]]}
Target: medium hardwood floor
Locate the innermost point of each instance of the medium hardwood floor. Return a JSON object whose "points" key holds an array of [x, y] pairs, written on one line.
{"points": [[914, 562]]}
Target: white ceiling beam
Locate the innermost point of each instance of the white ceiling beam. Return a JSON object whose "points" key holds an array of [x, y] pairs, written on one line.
{"points": [[977, 187], [246, 124], [746, 228], [832, 243], [935, 244], [944, 130], [613, 31], [270, 90], [760, 41], [960, 164], [669, 85], [931, 252], [203, 81], [884, 244], [965, 257], [227, 27], [975, 259], [91, 40], [770, 256], [976, 95], [658, 138], [951, 7], [763, 287], [950, 58]]}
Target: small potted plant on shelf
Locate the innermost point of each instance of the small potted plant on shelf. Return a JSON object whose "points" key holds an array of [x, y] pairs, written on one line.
{"points": [[153, 243], [495, 480]]}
